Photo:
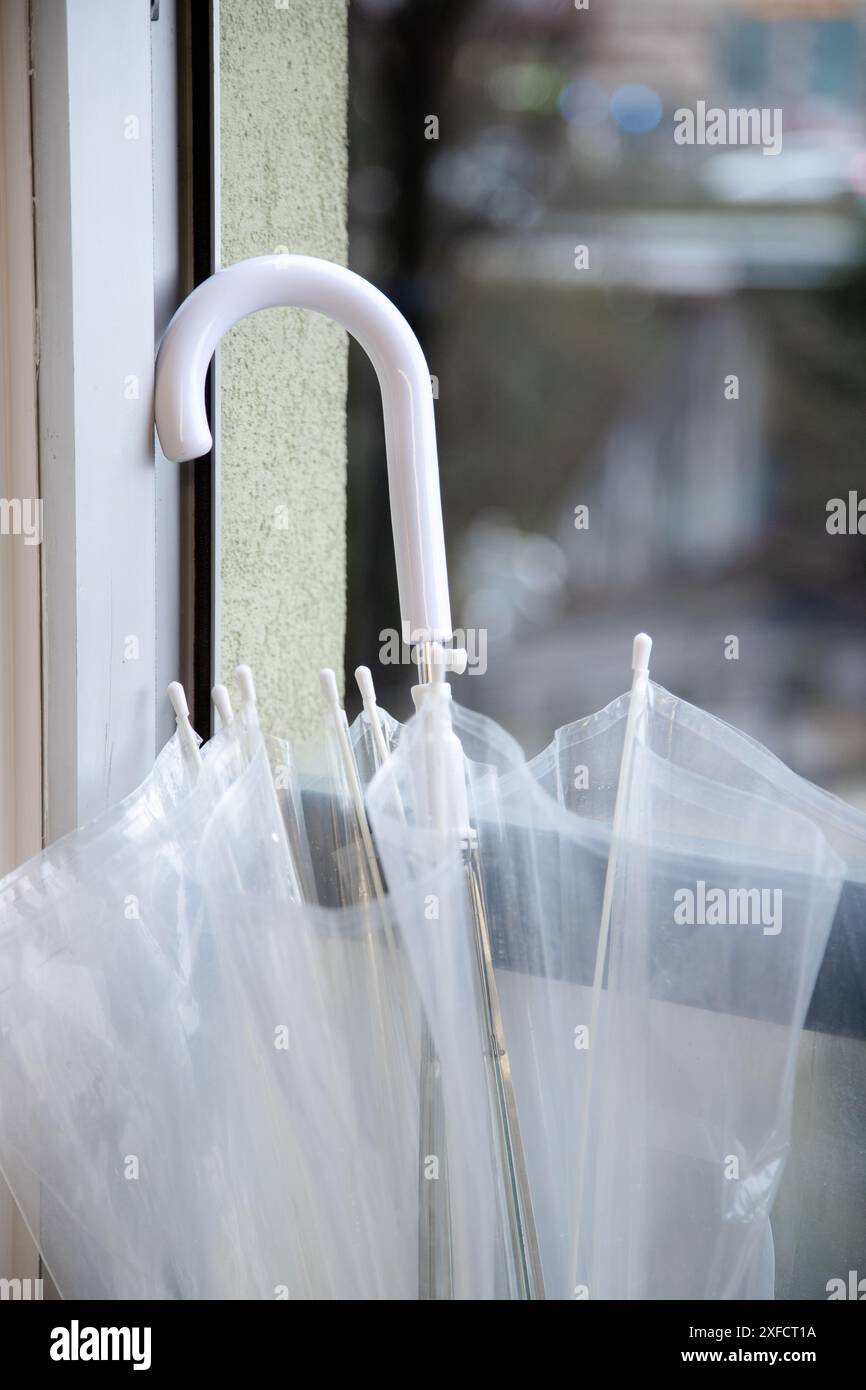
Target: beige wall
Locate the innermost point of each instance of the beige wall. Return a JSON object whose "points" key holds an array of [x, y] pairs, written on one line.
{"points": [[283, 80]]}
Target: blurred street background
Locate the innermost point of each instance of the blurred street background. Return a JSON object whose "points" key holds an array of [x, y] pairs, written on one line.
{"points": [[605, 387], [608, 387]]}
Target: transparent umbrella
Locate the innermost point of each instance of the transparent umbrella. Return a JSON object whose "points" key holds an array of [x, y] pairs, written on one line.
{"points": [[670, 741], [416, 522], [184, 1160], [399, 1015], [138, 1128], [651, 1040]]}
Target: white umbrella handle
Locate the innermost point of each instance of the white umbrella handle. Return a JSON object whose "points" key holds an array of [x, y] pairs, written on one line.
{"points": [[303, 282]]}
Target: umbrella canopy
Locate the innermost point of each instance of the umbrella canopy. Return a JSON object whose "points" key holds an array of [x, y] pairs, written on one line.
{"points": [[677, 742], [651, 1033], [189, 1087], [99, 1028]]}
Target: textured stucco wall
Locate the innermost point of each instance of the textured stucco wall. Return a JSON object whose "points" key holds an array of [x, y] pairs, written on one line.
{"points": [[283, 76]]}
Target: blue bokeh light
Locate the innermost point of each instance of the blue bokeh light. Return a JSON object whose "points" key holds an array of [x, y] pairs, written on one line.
{"points": [[583, 102], [636, 108]]}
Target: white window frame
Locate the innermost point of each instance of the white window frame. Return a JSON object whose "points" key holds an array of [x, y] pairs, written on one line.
{"points": [[90, 273], [94, 275], [20, 596]]}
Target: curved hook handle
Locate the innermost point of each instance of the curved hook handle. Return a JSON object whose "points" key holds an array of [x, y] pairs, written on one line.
{"points": [[303, 282]]}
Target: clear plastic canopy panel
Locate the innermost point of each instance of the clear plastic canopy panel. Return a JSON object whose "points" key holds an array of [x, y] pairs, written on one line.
{"points": [[682, 749], [195, 1062], [654, 1110]]}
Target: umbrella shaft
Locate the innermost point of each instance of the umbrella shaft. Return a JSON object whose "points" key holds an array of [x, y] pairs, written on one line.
{"points": [[517, 1198], [434, 1231]]}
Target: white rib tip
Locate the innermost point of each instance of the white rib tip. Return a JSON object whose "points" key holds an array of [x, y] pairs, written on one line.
{"points": [[246, 684], [330, 689], [185, 731], [364, 678], [457, 659], [177, 695], [640, 653], [222, 704]]}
